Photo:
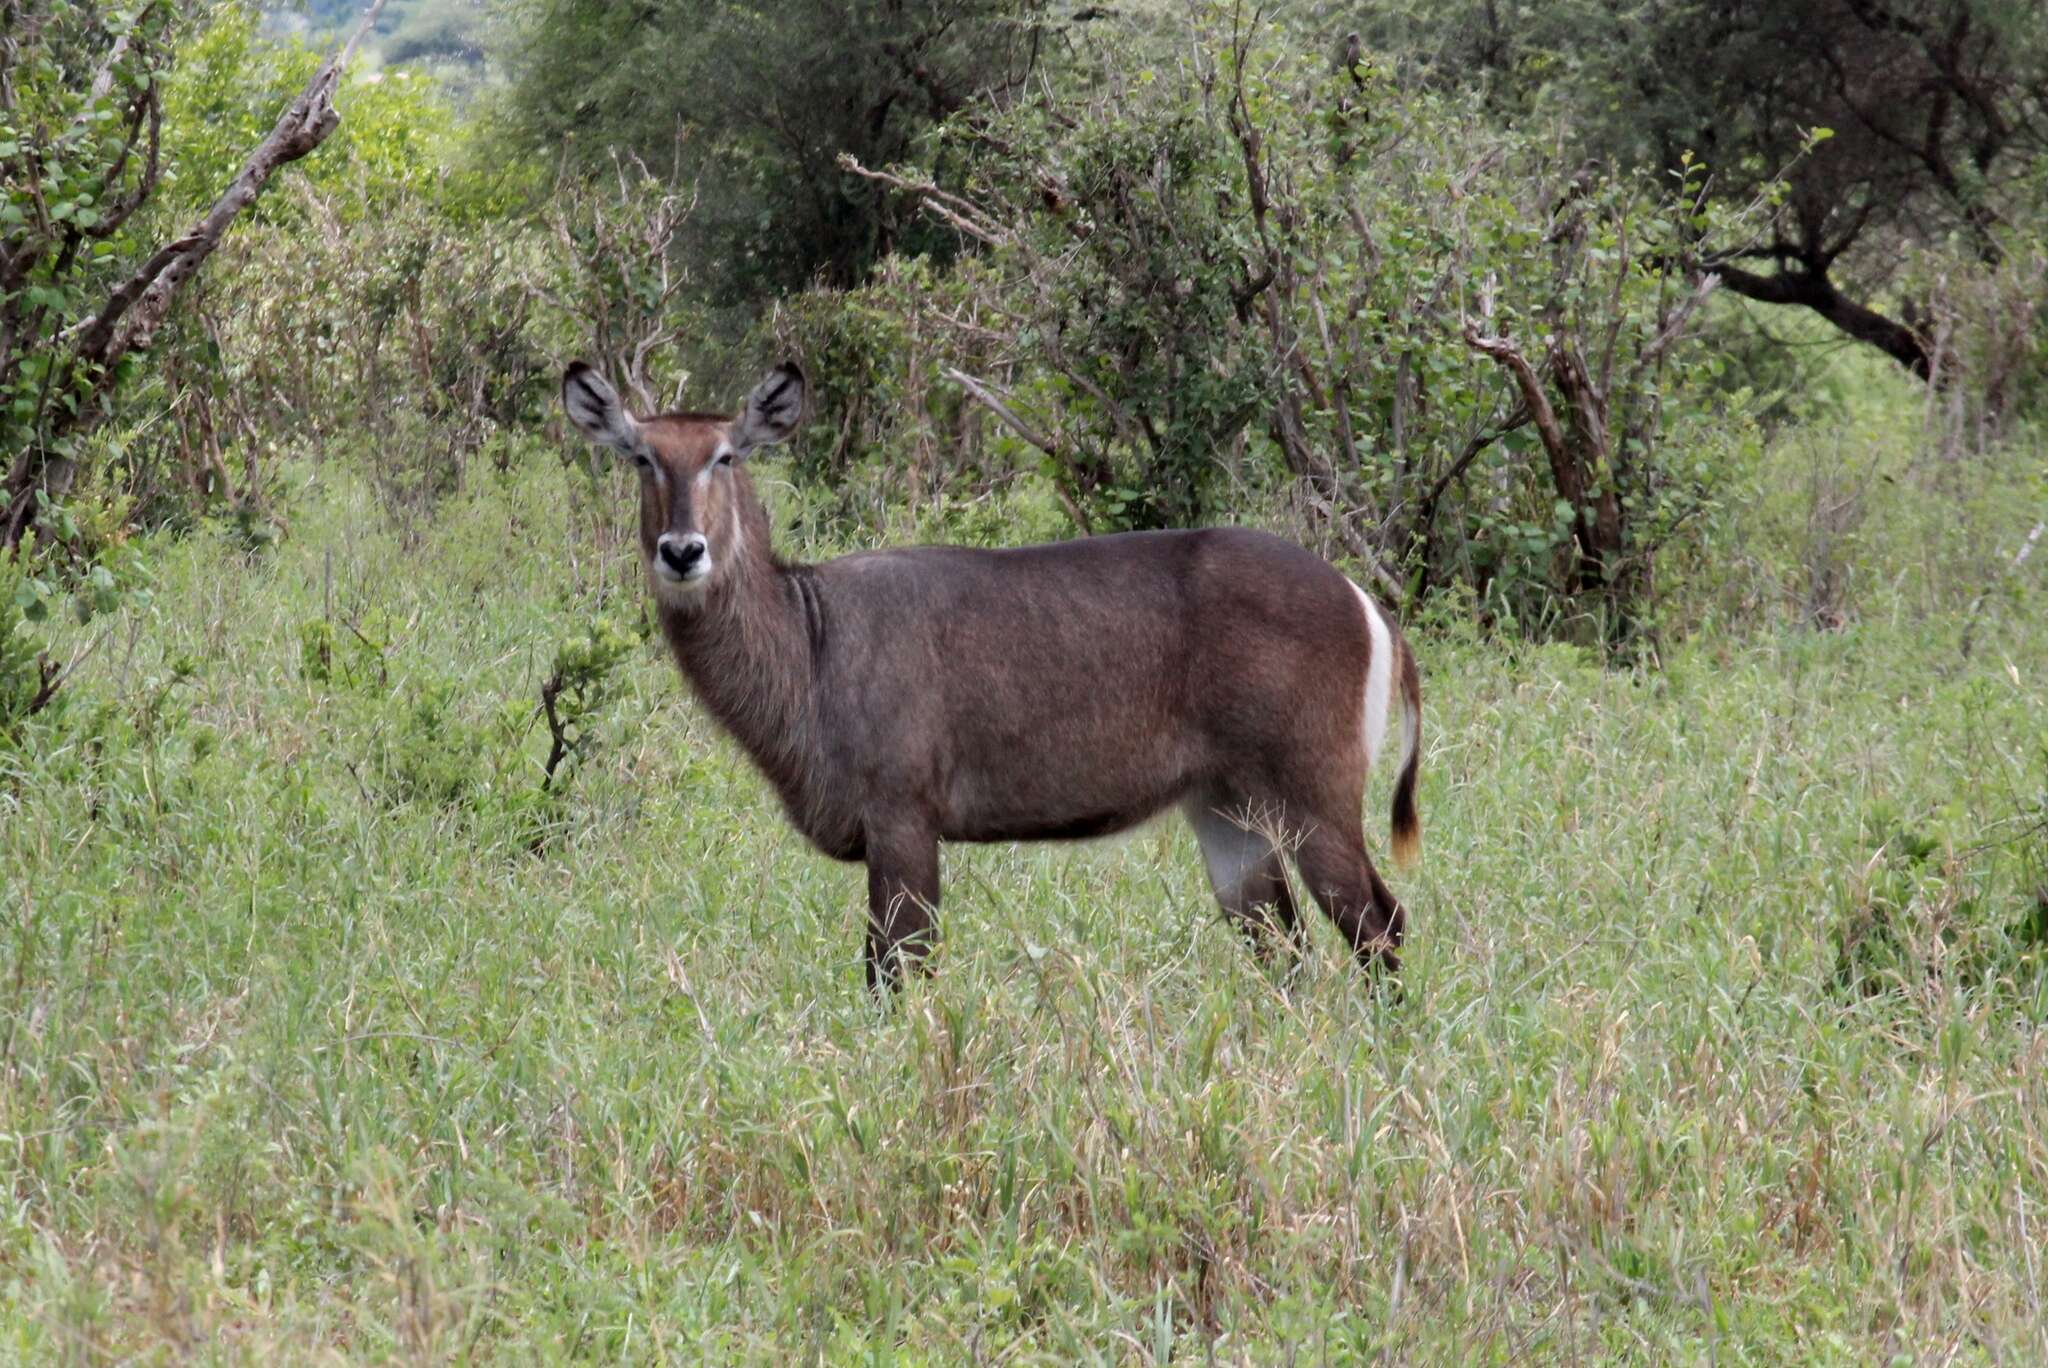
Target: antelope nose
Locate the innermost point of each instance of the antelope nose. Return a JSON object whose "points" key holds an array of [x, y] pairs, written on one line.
{"points": [[680, 554]]}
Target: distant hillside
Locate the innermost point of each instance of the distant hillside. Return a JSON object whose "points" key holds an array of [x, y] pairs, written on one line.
{"points": [[440, 33]]}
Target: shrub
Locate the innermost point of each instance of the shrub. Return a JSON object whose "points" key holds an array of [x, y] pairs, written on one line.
{"points": [[581, 685], [29, 677], [424, 738], [1239, 273], [1923, 914]]}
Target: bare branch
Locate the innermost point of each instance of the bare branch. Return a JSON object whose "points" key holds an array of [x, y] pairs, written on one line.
{"points": [[1518, 419], [1499, 349], [1818, 293], [986, 397], [1674, 327], [949, 208]]}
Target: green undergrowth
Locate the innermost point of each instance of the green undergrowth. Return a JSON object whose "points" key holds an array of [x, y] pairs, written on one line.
{"points": [[332, 1027]]}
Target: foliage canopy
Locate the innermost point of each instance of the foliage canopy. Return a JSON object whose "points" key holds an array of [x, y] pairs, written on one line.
{"points": [[755, 103]]}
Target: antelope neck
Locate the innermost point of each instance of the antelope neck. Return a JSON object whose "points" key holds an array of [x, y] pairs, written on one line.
{"points": [[749, 649]]}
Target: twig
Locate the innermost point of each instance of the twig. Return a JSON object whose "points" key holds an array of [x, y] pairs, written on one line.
{"points": [[52, 677], [46, 688], [1517, 419], [1674, 326], [987, 399], [558, 743], [2019, 559]]}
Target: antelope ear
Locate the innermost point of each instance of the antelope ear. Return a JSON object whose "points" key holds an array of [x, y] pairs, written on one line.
{"points": [[595, 409], [772, 412]]}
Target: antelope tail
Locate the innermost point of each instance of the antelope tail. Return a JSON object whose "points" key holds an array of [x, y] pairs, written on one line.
{"points": [[1407, 825]]}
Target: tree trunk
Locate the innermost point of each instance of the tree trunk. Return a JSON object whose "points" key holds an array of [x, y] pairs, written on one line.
{"points": [[1579, 446]]}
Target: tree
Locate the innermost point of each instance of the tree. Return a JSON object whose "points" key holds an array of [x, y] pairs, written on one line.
{"points": [[1938, 110], [80, 297], [766, 99]]}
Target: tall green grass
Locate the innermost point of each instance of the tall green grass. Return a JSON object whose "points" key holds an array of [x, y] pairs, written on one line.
{"points": [[1721, 1038]]}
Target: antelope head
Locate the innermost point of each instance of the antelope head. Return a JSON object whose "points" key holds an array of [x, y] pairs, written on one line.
{"points": [[697, 506]]}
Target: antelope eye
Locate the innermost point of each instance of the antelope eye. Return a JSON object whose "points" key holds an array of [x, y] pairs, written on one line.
{"points": [[724, 458], [642, 463]]}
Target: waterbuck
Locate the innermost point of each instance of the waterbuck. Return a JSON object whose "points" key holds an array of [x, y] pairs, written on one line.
{"points": [[896, 699]]}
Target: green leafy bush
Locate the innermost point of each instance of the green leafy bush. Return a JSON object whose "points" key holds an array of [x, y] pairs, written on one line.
{"points": [[577, 691], [1243, 278], [1923, 914], [421, 736], [28, 676], [428, 751]]}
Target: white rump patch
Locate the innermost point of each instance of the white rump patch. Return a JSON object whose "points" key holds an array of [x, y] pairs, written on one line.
{"points": [[1379, 678]]}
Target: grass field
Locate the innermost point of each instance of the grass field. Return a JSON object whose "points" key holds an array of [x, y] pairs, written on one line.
{"points": [[321, 1035]]}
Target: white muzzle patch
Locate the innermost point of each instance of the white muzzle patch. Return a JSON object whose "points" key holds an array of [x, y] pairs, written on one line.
{"points": [[681, 561]]}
